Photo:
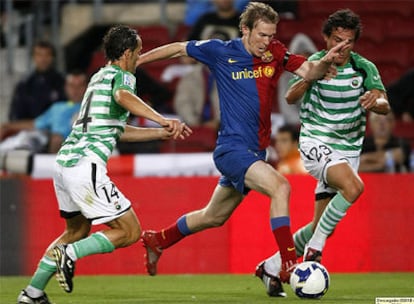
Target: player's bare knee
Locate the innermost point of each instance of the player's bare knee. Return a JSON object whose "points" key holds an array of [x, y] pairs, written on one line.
{"points": [[281, 188], [133, 236], [128, 237], [358, 188], [353, 190]]}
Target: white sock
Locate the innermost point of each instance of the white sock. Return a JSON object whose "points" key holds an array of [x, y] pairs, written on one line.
{"points": [[318, 241], [70, 251], [273, 264], [33, 292], [331, 216]]}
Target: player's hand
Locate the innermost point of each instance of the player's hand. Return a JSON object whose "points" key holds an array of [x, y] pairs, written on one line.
{"points": [[176, 128], [369, 100], [336, 51], [331, 72], [183, 131], [167, 133]]}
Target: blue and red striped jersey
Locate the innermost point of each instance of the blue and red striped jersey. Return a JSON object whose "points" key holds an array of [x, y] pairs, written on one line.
{"points": [[246, 87]]}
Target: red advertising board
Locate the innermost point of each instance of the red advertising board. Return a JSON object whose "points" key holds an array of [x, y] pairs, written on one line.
{"points": [[376, 234]]}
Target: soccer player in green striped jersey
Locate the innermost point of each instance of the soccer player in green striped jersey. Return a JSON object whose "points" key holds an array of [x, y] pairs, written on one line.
{"points": [[86, 195], [333, 116]]}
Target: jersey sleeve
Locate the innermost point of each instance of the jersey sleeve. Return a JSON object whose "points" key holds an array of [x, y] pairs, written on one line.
{"points": [[205, 51], [294, 62], [124, 81], [291, 62], [373, 78]]}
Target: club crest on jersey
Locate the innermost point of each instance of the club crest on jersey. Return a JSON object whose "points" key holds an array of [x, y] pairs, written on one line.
{"points": [[268, 71], [356, 82], [129, 81], [267, 56]]}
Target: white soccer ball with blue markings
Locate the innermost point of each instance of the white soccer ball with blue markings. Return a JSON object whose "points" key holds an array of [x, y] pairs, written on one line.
{"points": [[310, 280]]}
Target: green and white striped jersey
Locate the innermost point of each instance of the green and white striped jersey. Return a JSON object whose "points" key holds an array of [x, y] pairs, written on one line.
{"points": [[330, 110], [101, 119]]}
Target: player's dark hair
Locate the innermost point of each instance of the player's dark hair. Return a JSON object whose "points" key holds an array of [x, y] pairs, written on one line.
{"points": [[292, 130], [119, 39], [256, 11], [344, 18]]}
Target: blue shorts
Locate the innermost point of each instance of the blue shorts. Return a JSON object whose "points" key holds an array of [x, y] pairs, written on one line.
{"points": [[233, 161]]}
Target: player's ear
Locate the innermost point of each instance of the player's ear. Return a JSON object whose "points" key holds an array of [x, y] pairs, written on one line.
{"points": [[244, 29], [126, 54]]}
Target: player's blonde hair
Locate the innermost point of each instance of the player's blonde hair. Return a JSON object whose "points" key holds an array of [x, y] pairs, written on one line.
{"points": [[256, 11]]}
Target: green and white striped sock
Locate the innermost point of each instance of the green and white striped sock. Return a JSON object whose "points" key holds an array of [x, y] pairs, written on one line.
{"points": [[95, 243], [301, 237], [333, 213], [45, 270]]}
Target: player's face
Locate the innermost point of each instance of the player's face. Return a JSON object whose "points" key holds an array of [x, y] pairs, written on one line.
{"points": [[132, 57], [338, 35], [258, 39]]}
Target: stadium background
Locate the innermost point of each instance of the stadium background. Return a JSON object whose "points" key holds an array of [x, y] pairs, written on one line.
{"points": [[375, 237]]}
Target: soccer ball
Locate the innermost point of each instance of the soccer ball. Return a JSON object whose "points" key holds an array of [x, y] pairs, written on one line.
{"points": [[310, 280]]}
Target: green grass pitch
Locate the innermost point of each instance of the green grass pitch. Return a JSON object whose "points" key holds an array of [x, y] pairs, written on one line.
{"points": [[344, 289]]}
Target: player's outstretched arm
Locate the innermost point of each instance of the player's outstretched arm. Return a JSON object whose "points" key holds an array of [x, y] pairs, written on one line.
{"points": [[137, 106], [134, 134], [144, 134], [314, 70], [296, 91], [172, 50]]}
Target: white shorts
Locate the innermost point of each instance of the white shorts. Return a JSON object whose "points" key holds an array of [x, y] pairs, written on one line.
{"points": [[86, 189], [318, 157]]}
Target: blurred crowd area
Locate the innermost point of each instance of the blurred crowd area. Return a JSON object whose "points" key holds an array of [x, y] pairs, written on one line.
{"points": [[76, 27]]}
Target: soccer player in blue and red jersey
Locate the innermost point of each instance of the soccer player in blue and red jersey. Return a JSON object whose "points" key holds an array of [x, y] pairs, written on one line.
{"points": [[246, 70]]}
